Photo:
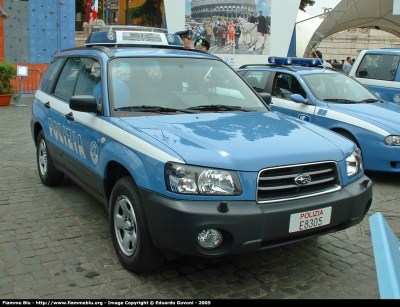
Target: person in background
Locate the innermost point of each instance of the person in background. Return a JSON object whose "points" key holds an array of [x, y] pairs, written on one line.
{"points": [[262, 24], [252, 18], [231, 33], [262, 27], [238, 32], [318, 55], [215, 32], [202, 44], [220, 33], [209, 32], [186, 38], [346, 66]]}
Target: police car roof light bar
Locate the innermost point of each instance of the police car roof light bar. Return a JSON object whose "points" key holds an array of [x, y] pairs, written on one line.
{"points": [[279, 60], [133, 36], [295, 61]]}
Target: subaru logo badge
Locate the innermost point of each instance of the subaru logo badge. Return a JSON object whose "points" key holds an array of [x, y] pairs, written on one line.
{"points": [[302, 179]]}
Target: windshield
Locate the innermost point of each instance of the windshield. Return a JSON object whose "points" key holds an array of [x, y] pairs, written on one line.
{"points": [[338, 88], [178, 85]]}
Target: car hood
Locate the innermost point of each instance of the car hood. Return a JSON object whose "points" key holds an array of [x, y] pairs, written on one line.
{"points": [[242, 141], [384, 115]]}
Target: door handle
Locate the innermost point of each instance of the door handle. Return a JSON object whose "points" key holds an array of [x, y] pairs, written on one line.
{"points": [[69, 116]]}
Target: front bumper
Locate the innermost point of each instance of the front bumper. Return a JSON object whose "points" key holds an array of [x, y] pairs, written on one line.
{"points": [[247, 226]]}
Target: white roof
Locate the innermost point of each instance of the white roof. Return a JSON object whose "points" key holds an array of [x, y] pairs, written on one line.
{"points": [[356, 14]]}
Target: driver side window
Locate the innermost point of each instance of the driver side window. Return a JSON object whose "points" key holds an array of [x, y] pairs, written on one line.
{"points": [[285, 85]]}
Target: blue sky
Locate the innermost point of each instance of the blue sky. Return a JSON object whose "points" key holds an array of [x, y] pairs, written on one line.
{"points": [[262, 5]]}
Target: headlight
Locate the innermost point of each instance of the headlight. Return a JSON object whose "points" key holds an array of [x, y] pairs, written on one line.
{"points": [[392, 140], [354, 163], [189, 179]]}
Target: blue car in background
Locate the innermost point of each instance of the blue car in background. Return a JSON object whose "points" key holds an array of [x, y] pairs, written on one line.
{"points": [[304, 89]]}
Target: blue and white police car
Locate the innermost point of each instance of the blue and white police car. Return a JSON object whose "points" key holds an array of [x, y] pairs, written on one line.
{"points": [[187, 158], [302, 88], [378, 69]]}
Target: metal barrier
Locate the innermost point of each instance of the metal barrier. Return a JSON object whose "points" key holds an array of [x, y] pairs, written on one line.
{"points": [[386, 248], [30, 83]]}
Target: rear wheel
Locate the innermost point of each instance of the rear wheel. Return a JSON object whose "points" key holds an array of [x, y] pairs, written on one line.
{"points": [[47, 171], [129, 229]]}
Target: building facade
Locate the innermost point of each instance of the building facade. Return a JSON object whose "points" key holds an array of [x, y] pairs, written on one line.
{"points": [[36, 30]]}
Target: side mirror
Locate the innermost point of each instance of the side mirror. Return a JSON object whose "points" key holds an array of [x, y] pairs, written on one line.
{"points": [[298, 98], [266, 97], [83, 103]]}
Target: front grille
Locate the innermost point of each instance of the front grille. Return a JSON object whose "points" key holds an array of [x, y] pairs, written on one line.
{"points": [[278, 183], [142, 36]]}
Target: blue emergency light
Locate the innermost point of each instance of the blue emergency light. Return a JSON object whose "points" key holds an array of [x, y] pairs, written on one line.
{"points": [[295, 61], [112, 36], [279, 60]]}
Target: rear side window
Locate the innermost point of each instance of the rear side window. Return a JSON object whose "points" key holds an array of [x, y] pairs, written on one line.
{"points": [[66, 83], [378, 66], [50, 75]]}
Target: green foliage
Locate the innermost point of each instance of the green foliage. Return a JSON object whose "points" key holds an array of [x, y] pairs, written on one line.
{"points": [[304, 3], [149, 13], [7, 72]]}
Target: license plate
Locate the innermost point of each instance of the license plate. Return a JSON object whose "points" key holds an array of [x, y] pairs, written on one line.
{"points": [[310, 219]]}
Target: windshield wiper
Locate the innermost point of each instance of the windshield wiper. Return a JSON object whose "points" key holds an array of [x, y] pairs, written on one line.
{"points": [[341, 101], [218, 107], [152, 109], [370, 100]]}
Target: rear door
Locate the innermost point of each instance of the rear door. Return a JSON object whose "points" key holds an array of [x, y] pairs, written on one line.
{"points": [[78, 132]]}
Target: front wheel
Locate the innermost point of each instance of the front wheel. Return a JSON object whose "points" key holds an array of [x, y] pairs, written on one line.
{"points": [[47, 171], [129, 229]]}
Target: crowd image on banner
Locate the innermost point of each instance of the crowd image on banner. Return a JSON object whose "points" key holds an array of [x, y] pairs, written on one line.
{"points": [[233, 35]]}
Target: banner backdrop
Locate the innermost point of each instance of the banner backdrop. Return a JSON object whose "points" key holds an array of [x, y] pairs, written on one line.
{"points": [[231, 27]]}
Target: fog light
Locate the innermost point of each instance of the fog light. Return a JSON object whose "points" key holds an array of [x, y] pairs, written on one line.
{"points": [[209, 238]]}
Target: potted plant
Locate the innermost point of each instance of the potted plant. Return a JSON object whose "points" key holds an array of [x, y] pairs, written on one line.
{"points": [[7, 72]]}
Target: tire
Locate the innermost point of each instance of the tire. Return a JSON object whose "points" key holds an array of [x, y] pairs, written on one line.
{"points": [[47, 171], [129, 229]]}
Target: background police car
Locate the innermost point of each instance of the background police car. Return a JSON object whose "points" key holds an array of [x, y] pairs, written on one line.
{"points": [[332, 100], [378, 70]]}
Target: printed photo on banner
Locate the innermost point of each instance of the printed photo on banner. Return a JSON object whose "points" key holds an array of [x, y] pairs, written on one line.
{"points": [[231, 27]]}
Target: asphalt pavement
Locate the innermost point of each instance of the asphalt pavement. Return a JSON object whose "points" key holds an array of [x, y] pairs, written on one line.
{"points": [[55, 244]]}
